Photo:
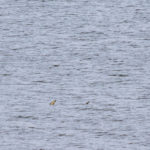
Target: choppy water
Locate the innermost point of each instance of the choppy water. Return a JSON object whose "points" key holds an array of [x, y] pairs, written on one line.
{"points": [[74, 52]]}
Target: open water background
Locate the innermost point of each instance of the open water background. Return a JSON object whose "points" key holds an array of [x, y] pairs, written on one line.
{"points": [[75, 51]]}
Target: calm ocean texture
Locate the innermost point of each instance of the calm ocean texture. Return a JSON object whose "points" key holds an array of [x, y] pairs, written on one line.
{"points": [[75, 51]]}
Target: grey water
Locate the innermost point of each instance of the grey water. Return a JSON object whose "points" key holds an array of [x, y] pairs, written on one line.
{"points": [[75, 51]]}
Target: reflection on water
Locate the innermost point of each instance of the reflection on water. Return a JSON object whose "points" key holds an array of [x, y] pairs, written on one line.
{"points": [[75, 52]]}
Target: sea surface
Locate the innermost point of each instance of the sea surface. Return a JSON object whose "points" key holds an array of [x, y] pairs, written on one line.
{"points": [[75, 51]]}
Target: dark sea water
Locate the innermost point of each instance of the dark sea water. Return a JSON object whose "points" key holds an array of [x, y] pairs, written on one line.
{"points": [[75, 51]]}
